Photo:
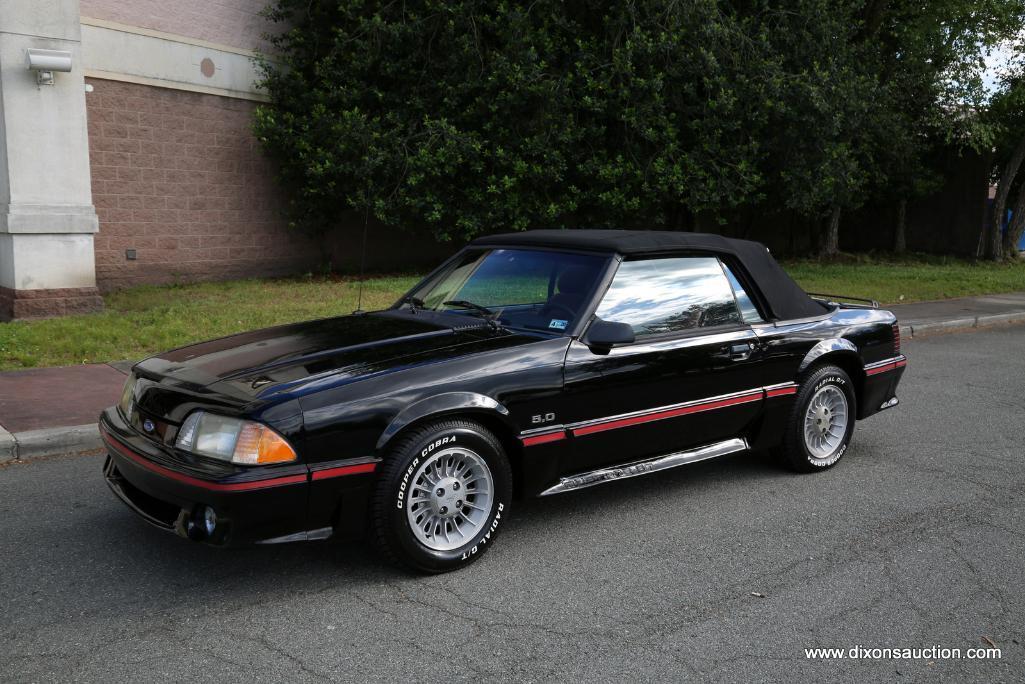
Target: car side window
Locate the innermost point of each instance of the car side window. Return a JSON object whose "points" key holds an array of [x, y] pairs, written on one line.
{"points": [[748, 310], [660, 296]]}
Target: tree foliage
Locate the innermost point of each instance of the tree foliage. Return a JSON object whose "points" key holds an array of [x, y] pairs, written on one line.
{"points": [[462, 117]]}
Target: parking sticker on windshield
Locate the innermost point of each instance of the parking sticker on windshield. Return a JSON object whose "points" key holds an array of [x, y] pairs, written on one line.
{"points": [[558, 324]]}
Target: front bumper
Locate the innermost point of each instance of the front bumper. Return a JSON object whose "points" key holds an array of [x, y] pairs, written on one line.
{"points": [[251, 504]]}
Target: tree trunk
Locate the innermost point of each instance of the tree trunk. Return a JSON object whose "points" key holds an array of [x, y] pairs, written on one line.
{"points": [[1014, 231], [689, 220], [995, 243], [900, 242], [831, 239]]}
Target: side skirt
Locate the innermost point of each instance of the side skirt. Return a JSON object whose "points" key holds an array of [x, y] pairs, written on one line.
{"points": [[595, 477]]}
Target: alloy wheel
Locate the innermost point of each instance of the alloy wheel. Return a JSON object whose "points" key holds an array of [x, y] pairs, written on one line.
{"points": [[450, 499], [825, 421]]}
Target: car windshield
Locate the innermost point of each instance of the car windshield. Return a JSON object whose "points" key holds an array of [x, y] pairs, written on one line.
{"points": [[521, 288]]}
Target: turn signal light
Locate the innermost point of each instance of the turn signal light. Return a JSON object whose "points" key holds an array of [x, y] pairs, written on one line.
{"points": [[258, 444]]}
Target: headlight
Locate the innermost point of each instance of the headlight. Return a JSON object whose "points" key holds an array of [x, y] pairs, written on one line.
{"points": [[127, 396], [231, 439]]}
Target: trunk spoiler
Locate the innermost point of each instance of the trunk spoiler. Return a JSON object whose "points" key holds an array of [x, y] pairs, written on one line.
{"points": [[850, 302]]}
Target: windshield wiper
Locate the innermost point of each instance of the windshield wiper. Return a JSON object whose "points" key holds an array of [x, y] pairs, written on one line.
{"points": [[415, 303], [484, 312]]}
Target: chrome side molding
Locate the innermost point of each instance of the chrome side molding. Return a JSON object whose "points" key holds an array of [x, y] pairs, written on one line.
{"points": [[596, 477], [308, 535]]}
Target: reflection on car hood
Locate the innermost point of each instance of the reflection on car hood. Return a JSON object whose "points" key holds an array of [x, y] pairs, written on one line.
{"points": [[260, 363]]}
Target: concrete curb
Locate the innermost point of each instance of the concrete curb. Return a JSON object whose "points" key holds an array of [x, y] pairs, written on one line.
{"points": [[924, 329], [57, 441], [8, 447]]}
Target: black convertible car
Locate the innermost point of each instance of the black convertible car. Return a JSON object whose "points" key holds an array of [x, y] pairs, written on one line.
{"points": [[526, 365]]}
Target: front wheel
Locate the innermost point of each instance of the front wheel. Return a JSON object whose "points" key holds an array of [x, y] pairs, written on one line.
{"points": [[821, 422], [443, 493]]}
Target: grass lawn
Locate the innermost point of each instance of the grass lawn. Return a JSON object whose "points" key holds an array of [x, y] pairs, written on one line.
{"points": [[144, 320], [915, 279]]}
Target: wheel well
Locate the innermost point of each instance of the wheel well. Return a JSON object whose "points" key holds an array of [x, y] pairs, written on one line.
{"points": [[849, 363], [495, 425]]}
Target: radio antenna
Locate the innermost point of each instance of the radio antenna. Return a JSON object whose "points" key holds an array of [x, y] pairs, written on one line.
{"points": [[363, 258]]}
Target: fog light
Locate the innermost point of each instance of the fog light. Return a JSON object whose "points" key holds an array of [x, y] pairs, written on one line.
{"points": [[200, 524], [209, 521]]}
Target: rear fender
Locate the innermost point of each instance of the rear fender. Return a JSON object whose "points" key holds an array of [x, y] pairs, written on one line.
{"points": [[830, 346]]}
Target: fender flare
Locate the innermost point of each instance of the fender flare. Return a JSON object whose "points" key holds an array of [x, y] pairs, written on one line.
{"points": [[448, 402], [830, 346]]}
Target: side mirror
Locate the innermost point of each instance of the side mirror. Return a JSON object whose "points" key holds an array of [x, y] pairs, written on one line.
{"points": [[604, 335]]}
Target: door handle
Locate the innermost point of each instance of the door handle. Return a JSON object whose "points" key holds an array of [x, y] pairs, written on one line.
{"points": [[740, 350]]}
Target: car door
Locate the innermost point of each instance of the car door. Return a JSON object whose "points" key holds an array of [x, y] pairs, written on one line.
{"points": [[688, 380]]}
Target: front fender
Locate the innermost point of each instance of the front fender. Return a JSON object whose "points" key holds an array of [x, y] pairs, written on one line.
{"points": [[833, 344], [450, 402]]}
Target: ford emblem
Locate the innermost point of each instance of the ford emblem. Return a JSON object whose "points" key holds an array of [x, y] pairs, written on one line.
{"points": [[148, 425]]}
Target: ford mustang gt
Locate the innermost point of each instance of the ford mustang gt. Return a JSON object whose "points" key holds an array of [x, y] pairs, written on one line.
{"points": [[529, 364]]}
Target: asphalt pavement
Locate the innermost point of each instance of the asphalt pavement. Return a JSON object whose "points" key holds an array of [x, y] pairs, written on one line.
{"points": [[721, 571]]}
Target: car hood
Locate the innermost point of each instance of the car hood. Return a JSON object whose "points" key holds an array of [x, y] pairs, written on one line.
{"points": [[263, 363]]}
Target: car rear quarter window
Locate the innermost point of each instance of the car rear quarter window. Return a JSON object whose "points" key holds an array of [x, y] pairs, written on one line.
{"points": [[748, 310], [662, 296]]}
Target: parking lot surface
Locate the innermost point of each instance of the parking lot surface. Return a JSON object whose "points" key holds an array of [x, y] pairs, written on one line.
{"points": [[721, 571]]}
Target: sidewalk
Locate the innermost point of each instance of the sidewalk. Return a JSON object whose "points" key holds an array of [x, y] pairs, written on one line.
{"points": [[925, 318], [53, 411]]}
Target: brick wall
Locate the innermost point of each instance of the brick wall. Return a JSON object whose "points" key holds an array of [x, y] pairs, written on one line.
{"points": [[229, 22], [52, 302], [179, 177]]}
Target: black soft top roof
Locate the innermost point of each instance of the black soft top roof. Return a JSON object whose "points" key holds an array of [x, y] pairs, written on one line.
{"points": [[784, 297]]}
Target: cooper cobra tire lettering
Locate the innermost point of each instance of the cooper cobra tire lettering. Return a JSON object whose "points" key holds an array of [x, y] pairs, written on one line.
{"points": [[794, 451], [390, 522], [487, 536], [405, 481], [448, 439]]}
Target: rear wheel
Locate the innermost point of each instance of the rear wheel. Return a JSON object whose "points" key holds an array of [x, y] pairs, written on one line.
{"points": [[443, 492], [821, 422]]}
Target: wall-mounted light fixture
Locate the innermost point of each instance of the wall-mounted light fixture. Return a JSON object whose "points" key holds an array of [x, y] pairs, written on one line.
{"points": [[45, 62]]}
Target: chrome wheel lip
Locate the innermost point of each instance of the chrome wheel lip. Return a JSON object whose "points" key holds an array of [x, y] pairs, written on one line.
{"points": [[450, 499], [825, 422]]}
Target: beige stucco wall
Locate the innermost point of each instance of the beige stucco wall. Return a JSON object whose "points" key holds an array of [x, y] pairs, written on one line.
{"points": [[234, 23], [47, 220]]}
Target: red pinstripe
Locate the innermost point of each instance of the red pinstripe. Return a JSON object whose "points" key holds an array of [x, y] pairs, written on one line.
{"points": [[343, 470], [544, 439], [670, 413], [880, 369], [194, 481]]}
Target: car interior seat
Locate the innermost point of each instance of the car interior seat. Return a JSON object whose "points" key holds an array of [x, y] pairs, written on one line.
{"points": [[571, 287]]}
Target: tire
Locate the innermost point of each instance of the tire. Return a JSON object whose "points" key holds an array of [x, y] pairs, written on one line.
{"points": [[823, 392], [416, 527]]}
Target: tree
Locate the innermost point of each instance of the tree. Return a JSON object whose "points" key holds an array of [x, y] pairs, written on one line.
{"points": [[930, 86], [822, 114], [999, 243], [1008, 111], [463, 116]]}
